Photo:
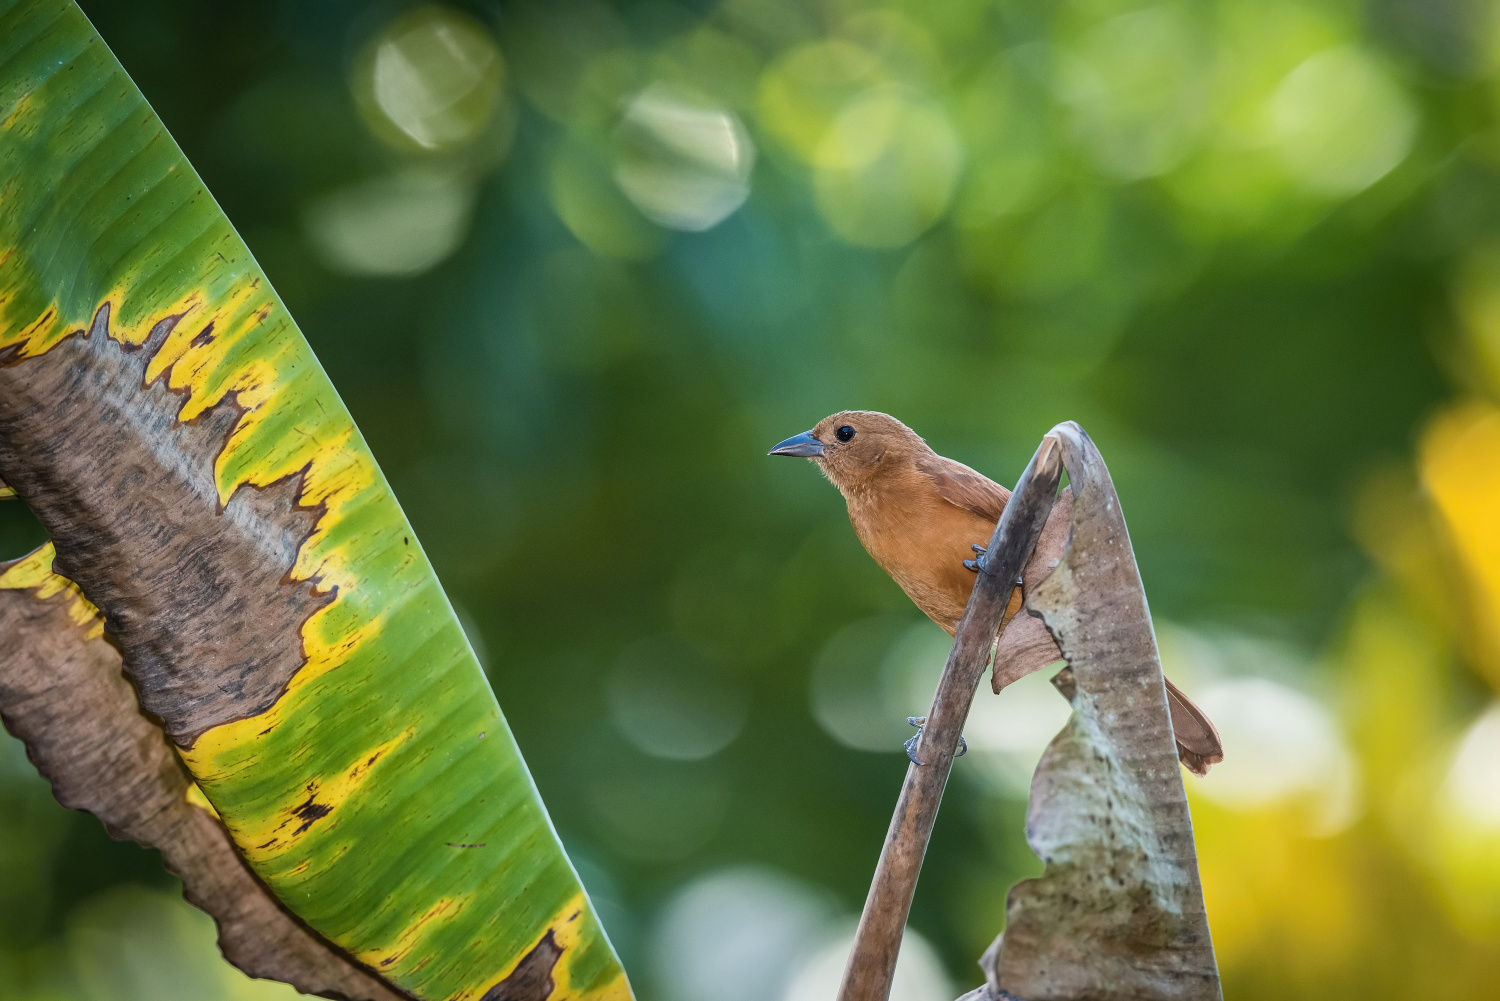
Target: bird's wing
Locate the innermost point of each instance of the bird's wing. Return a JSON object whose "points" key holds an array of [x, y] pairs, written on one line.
{"points": [[964, 488]]}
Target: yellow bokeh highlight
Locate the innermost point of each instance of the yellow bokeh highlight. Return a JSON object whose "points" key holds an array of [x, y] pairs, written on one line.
{"points": [[1299, 913], [1465, 830], [1269, 887], [802, 93], [888, 167], [1460, 467]]}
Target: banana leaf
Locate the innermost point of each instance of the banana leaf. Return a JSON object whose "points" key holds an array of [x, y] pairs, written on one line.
{"points": [[207, 490]]}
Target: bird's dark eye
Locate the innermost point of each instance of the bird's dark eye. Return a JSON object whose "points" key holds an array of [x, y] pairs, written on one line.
{"points": [[844, 433]]}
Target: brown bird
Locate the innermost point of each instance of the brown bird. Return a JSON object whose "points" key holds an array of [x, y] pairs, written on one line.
{"points": [[920, 515]]}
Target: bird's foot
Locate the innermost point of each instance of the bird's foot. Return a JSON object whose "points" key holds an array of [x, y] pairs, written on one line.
{"points": [[911, 745], [977, 564], [973, 566]]}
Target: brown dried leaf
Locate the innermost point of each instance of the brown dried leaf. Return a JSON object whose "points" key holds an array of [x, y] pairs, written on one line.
{"points": [[1025, 645], [63, 694], [1118, 913]]}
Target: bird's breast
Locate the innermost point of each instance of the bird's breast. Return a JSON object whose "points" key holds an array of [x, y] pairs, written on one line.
{"points": [[922, 544]]}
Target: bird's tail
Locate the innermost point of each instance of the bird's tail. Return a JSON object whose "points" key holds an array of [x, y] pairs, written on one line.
{"points": [[1198, 744]]}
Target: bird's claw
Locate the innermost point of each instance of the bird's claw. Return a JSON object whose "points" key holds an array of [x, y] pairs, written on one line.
{"points": [[911, 745], [977, 564]]}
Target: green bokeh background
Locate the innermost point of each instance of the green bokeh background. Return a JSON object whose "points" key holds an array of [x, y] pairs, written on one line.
{"points": [[1241, 243]]}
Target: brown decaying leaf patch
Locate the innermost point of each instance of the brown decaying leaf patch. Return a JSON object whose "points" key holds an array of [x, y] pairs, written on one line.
{"points": [[200, 598], [532, 978], [63, 694]]}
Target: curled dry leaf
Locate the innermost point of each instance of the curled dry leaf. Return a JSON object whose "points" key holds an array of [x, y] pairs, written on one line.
{"points": [[1025, 646], [63, 694], [1118, 913]]}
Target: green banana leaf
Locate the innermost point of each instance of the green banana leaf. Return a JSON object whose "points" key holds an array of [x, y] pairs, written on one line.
{"points": [[207, 490]]}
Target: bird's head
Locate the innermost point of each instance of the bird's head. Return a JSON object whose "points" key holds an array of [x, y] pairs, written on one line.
{"points": [[854, 446]]}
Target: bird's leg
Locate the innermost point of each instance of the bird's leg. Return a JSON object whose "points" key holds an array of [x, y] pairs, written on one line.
{"points": [[911, 745], [975, 565]]}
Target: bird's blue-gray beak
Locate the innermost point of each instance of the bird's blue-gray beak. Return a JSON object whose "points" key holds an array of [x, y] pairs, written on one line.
{"points": [[803, 445]]}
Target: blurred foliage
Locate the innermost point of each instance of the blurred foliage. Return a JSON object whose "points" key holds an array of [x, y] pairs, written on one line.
{"points": [[576, 265]]}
